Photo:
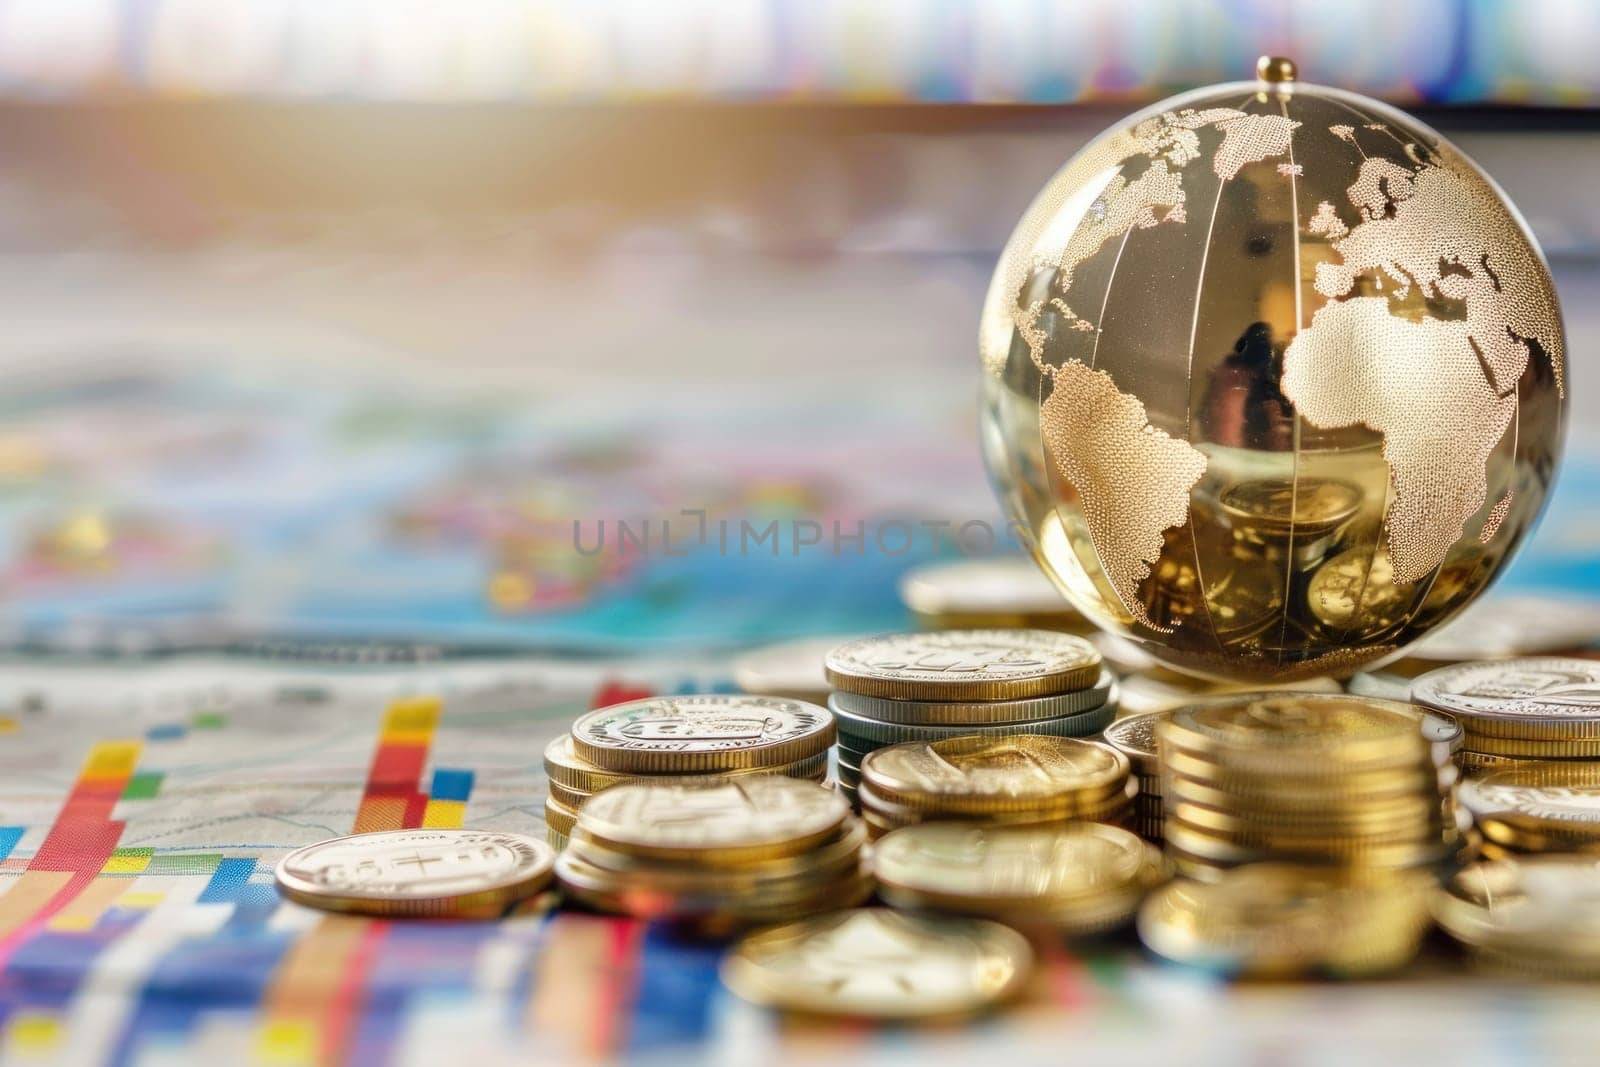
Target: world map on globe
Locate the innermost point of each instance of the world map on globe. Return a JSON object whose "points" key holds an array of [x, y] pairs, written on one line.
{"points": [[1413, 304]]}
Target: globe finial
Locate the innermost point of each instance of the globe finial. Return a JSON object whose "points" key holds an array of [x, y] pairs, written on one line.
{"points": [[1275, 69]]}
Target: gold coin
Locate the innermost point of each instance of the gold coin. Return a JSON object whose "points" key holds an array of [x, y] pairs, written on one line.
{"points": [[589, 867], [1521, 835], [701, 734], [1332, 734], [739, 820], [569, 798], [1541, 698], [978, 774], [988, 869], [559, 817], [563, 766], [417, 873], [1274, 920], [964, 665], [1108, 809], [597, 888], [1408, 815], [1563, 748], [1475, 764], [1135, 738], [818, 861], [1355, 591], [1304, 507], [1291, 784], [1529, 906], [1401, 852], [879, 964]]}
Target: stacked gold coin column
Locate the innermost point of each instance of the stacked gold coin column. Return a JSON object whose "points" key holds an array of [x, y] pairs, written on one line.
{"points": [[1022, 780], [932, 687], [716, 855], [1340, 780], [666, 740]]}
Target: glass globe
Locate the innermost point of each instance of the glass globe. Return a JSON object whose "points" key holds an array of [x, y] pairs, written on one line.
{"points": [[1274, 379]]}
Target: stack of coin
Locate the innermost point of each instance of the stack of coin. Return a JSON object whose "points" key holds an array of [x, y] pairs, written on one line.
{"points": [[987, 594], [1020, 780], [668, 739], [1135, 737], [1519, 710], [933, 686], [1536, 806], [1272, 920], [1077, 878], [716, 855], [1534, 914], [1307, 779]]}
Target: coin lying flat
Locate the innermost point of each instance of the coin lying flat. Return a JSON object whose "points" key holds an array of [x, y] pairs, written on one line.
{"points": [[980, 773], [701, 734], [1535, 700], [420, 873], [728, 822], [964, 665], [564, 768], [1540, 913], [1538, 809], [875, 963], [1275, 920], [1305, 507], [976, 712]]}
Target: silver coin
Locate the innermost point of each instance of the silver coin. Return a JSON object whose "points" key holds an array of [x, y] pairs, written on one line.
{"points": [[1558, 691], [417, 873], [977, 713], [859, 728]]}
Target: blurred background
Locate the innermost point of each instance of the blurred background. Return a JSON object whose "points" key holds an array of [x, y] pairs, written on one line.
{"points": [[323, 322]]}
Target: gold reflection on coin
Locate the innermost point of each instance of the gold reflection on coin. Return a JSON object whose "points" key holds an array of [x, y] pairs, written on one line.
{"points": [[876, 963]]}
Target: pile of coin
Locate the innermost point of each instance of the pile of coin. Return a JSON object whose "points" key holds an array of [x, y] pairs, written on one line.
{"points": [[987, 594], [1135, 737], [420, 874], [1533, 709], [666, 740], [935, 686], [1018, 780], [1534, 914], [1077, 878], [716, 855], [1270, 920], [1338, 780]]}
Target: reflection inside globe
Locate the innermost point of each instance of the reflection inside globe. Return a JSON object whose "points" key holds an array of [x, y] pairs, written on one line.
{"points": [[1275, 377]]}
